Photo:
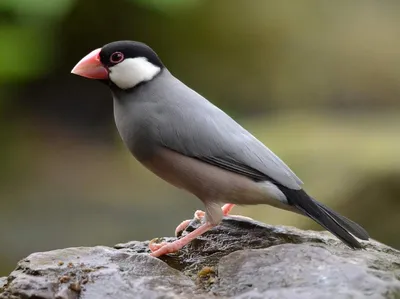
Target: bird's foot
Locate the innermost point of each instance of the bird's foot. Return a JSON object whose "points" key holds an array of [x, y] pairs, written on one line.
{"points": [[153, 246], [165, 248], [199, 215], [159, 249]]}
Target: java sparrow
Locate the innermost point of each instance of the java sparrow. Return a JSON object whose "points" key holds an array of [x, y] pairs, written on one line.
{"points": [[187, 141]]}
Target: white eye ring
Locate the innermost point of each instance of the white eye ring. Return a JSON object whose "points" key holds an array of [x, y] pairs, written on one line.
{"points": [[116, 57]]}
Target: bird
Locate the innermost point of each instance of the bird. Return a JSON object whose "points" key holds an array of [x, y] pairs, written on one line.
{"points": [[189, 142]]}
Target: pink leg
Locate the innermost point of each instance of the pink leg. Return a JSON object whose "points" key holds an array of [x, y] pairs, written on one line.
{"points": [[184, 224], [226, 209], [159, 249], [165, 248], [199, 215]]}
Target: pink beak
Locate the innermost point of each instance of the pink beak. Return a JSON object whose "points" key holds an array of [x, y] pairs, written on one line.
{"points": [[91, 67]]}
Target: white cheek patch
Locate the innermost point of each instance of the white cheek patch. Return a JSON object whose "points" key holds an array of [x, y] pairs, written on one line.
{"points": [[132, 71]]}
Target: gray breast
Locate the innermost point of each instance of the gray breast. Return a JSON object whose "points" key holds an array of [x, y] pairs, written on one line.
{"points": [[140, 112], [135, 123]]}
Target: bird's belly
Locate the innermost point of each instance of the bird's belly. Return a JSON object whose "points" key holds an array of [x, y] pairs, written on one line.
{"points": [[208, 182]]}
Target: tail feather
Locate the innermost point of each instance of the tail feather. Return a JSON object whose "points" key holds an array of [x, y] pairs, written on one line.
{"points": [[338, 225], [349, 225]]}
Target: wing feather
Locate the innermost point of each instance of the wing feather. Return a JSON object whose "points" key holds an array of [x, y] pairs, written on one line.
{"points": [[193, 126]]}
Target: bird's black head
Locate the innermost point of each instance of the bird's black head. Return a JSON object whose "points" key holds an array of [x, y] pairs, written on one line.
{"points": [[116, 52], [124, 63]]}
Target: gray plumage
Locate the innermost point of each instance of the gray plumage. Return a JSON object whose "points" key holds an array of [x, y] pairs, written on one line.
{"points": [[166, 124], [172, 115], [189, 142]]}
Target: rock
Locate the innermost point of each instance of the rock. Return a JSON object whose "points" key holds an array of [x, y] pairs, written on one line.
{"points": [[3, 281], [305, 271], [98, 272], [238, 259]]}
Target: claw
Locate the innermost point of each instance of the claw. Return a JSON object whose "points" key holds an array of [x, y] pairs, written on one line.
{"points": [[159, 249], [199, 214], [181, 227], [165, 248], [153, 246]]}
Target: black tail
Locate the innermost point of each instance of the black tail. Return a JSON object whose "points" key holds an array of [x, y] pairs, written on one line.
{"points": [[351, 226], [337, 224]]}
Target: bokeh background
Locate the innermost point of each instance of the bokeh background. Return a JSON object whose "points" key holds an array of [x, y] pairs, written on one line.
{"points": [[317, 81]]}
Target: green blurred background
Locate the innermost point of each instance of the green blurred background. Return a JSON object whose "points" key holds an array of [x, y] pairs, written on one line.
{"points": [[317, 81]]}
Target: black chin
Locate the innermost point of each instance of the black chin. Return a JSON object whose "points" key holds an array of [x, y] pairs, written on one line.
{"points": [[109, 84], [104, 81]]}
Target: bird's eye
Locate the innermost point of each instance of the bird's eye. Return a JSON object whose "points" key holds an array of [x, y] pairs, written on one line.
{"points": [[116, 57]]}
